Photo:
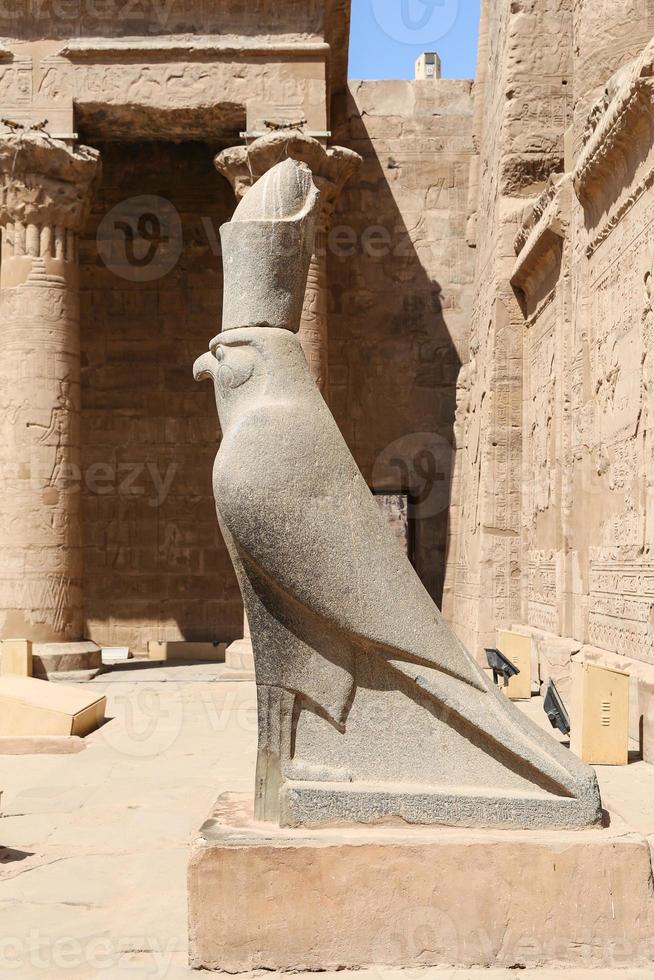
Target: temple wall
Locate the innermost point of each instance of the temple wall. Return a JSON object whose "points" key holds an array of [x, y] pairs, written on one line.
{"points": [[400, 279], [155, 567], [400, 275], [521, 112], [185, 80], [555, 533]]}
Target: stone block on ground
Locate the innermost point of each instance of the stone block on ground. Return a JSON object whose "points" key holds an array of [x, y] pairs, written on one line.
{"points": [[29, 706], [78, 661], [183, 650], [115, 655], [239, 659], [264, 898], [641, 695]]}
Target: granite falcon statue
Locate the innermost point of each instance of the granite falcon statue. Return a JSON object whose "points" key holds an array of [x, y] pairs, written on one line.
{"points": [[369, 707]]}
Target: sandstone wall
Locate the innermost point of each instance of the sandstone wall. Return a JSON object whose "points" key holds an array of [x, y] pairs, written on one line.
{"points": [[555, 403], [155, 567], [401, 287], [521, 111], [189, 70], [400, 276]]}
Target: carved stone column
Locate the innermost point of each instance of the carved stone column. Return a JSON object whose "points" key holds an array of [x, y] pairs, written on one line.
{"points": [[45, 191], [332, 167]]}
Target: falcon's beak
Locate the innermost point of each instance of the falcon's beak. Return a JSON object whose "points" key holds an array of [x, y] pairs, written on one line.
{"points": [[204, 366]]}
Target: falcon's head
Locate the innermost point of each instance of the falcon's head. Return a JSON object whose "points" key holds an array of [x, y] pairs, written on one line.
{"points": [[253, 366]]}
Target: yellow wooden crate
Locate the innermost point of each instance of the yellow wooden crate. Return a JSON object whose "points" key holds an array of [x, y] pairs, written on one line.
{"points": [[517, 648], [29, 706], [599, 714], [16, 657]]}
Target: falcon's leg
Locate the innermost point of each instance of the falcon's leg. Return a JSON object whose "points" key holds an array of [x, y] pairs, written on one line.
{"points": [[275, 710], [275, 757]]}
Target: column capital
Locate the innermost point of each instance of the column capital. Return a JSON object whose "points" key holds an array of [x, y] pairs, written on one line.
{"points": [[44, 181], [331, 166]]}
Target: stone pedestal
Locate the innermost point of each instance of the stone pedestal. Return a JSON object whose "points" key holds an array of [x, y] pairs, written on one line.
{"points": [[265, 898], [239, 656], [45, 190], [79, 661]]}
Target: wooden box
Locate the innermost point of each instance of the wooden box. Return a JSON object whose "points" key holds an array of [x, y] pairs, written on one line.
{"points": [[16, 657], [599, 714], [29, 706], [517, 648]]}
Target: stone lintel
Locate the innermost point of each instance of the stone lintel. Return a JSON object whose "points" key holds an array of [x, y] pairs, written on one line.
{"points": [[43, 181], [539, 243], [265, 898], [187, 48], [620, 129]]}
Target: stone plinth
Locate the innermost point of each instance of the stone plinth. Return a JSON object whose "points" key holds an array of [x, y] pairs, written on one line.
{"points": [[239, 659], [263, 898], [67, 661], [239, 656]]}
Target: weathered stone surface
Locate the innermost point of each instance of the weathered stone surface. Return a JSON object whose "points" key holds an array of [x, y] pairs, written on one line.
{"points": [[416, 898], [276, 221], [400, 275], [45, 194], [187, 73], [344, 634], [181, 651], [155, 566], [52, 659], [331, 168], [16, 657], [554, 532], [239, 656]]}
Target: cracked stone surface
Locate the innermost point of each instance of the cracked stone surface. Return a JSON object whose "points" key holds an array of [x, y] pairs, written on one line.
{"points": [[94, 846]]}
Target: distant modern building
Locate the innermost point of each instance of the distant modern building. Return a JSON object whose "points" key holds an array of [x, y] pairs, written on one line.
{"points": [[428, 66]]}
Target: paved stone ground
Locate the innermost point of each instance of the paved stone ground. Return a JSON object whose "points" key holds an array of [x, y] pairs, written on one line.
{"points": [[93, 847]]}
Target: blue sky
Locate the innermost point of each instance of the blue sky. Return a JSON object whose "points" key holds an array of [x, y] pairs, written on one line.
{"points": [[388, 35]]}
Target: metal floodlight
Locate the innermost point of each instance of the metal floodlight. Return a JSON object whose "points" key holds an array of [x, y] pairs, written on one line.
{"points": [[555, 709], [500, 665]]}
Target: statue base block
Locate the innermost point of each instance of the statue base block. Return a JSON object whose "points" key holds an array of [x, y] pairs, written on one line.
{"points": [[239, 661], [261, 897]]}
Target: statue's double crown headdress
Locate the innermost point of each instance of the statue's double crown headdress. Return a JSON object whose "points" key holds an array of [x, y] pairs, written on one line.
{"points": [[267, 248]]}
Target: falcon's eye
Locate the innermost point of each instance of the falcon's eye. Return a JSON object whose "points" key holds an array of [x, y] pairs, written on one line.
{"points": [[219, 353]]}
